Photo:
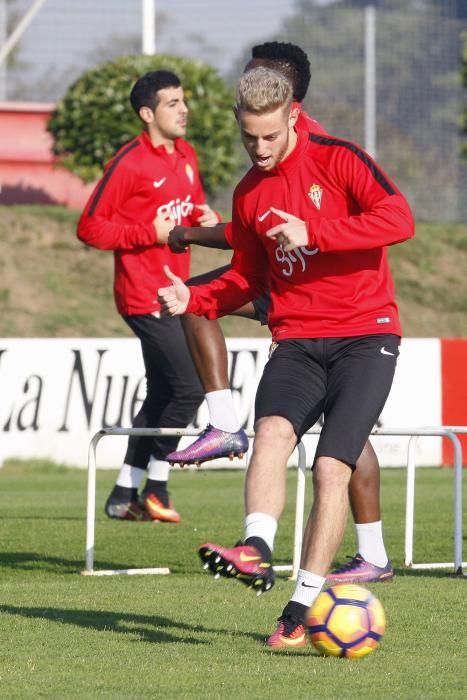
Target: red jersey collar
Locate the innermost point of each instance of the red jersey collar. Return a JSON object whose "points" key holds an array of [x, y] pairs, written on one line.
{"points": [[293, 157], [161, 150]]}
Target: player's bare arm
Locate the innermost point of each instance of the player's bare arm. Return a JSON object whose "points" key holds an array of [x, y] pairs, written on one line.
{"points": [[180, 237], [291, 234], [175, 297]]}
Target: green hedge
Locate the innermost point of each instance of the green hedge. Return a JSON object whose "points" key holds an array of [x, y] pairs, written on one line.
{"points": [[95, 117]]}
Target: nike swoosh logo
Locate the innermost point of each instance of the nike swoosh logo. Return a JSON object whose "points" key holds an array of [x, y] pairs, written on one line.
{"points": [[386, 352], [159, 183], [292, 642], [306, 585], [263, 216], [247, 557]]}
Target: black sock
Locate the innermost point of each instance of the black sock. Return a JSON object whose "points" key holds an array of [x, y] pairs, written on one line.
{"points": [[261, 546], [123, 493], [297, 610], [159, 489]]}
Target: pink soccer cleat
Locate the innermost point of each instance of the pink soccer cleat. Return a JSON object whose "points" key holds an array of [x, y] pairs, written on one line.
{"points": [[290, 634], [242, 562]]}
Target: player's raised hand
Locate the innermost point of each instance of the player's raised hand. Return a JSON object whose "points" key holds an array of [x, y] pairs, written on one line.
{"points": [[208, 216], [174, 298], [290, 234]]}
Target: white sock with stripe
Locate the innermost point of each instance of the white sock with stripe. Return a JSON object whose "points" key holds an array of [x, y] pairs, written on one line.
{"points": [[307, 588]]}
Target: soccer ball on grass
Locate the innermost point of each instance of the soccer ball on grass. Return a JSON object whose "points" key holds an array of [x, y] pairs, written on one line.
{"points": [[347, 621]]}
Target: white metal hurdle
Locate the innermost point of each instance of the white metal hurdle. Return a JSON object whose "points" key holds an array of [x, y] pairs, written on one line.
{"points": [[415, 433], [91, 501], [448, 432]]}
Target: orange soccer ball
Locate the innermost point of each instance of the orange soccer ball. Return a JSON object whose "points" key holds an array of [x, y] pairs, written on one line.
{"points": [[346, 621]]}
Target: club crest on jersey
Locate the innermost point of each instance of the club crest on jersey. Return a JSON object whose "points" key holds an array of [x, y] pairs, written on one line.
{"points": [[189, 173], [315, 194]]}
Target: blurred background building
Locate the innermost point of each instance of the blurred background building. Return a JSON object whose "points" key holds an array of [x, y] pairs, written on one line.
{"points": [[386, 75]]}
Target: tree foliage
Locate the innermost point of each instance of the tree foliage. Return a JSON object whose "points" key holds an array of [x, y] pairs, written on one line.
{"points": [[95, 117], [418, 93]]}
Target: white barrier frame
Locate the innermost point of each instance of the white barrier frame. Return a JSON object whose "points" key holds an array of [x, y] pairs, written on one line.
{"points": [[91, 501], [413, 433], [457, 564]]}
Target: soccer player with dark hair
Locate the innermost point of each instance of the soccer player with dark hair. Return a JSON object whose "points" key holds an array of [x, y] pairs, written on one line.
{"points": [[151, 184], [312, 220], [289, 59]]}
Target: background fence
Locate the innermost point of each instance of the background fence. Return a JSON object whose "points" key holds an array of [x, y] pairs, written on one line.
{"points": [[418, 93]]}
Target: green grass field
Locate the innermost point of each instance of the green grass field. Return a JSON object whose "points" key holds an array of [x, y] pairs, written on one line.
{"points": [[186, 635]]}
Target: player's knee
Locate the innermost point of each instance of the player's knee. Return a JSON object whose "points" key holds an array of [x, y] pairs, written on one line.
{"points": [[274, 429], [330, 473]]}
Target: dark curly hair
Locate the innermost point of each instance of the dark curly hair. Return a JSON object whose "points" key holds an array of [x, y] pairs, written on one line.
{"points": [[290, 60]]}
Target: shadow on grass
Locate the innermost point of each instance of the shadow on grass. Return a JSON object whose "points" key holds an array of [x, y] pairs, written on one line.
{"points": [[126, 623], [37, 562], [32, 561], [426, 573], [41, 518]]}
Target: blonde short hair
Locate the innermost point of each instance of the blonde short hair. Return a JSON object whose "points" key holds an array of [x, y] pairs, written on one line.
{"points": [[263, 90]]}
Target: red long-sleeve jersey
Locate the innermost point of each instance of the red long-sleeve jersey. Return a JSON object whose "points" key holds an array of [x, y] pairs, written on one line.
{"points": [[339, 285], [139, 182]]}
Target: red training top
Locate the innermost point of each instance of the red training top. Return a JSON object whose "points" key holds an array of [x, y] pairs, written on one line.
{"points": [[138, 183], [339, 285]]}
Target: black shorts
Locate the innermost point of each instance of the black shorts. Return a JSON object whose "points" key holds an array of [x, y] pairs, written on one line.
{"points": [[261, 304], [173, 389], [347, 380]]}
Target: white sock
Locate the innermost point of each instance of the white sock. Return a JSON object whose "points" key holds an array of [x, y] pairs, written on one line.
{"points": [[307, 588], [370, 543], [261, 525], [130, 477], [222, 414], [158, 470]]}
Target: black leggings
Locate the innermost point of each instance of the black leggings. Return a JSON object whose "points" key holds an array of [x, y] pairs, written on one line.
{"points": [[173, 390]]}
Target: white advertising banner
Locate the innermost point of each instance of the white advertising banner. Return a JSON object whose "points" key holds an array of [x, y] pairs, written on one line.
{"points": [[56, 393]]}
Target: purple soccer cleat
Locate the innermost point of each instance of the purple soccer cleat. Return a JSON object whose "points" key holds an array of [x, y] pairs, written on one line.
{"points": [[211, 444], [358, 570]]}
